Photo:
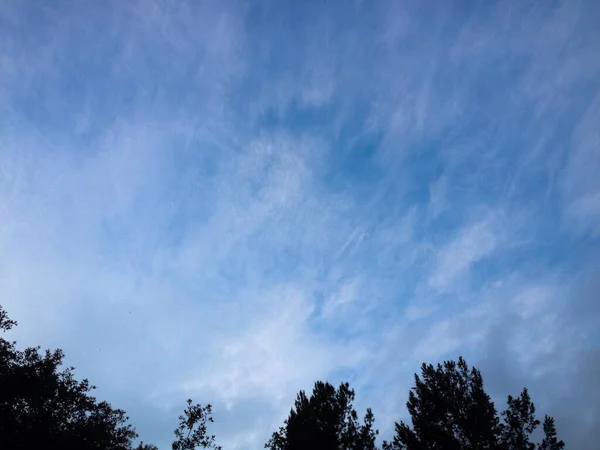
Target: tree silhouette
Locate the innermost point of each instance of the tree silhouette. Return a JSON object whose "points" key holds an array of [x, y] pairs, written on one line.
{"points": [[192, 430], [450, 410], [325, 420], [142, 446], [39, 403], [42, 404], [519, 423], [550, 442]]}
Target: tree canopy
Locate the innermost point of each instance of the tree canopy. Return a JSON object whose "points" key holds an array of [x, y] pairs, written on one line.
{"points": [[325, 420], [450, 410], [39, 402], [42, 402]]}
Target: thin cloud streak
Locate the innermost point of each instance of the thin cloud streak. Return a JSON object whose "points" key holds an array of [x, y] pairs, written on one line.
{"points": [[229, 201]]}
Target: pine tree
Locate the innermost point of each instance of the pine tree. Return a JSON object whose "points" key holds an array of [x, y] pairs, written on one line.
{"points": [[449, 410], [325, 420], [519, 423], [550, 442]]}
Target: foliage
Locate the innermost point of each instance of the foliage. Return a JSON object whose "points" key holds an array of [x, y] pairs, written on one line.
{"points": [[192, 429], [142, 446], [450, 410], [550, 442], [42, 403], [325, 420], [519, 423], [39, 402]]}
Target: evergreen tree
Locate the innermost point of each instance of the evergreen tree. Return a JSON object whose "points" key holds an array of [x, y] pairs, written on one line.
{"points": [[450, 410], [325, 420], [519, 423], [550, 442]]}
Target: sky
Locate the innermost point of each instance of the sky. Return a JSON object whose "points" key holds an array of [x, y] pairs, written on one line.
{"points": [[230, 200]]}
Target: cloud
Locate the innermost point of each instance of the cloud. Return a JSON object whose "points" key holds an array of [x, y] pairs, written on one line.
{"points": [[347, 293], [580, 184], [230, 201], [472, 244]]}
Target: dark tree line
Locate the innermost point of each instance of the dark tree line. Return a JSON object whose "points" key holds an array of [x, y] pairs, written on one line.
{"points": [[42, 405]]}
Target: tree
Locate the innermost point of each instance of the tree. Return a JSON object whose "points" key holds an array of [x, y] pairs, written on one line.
{"points": [[450, 410], [40, 403], [550, 441], [143, 446], [325, 420], [192, 429], [519, 423]]}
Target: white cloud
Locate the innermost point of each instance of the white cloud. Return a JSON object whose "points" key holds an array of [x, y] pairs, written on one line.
{"points": [[581, 182], [346, 292], [225, 206], [271, 355], [472, 244], [219, 339]]}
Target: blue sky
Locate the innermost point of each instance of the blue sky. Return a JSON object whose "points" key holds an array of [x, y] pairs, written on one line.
{"points": [[230, 200]]}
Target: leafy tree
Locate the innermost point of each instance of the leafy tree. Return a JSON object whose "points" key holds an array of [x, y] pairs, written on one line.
{"points": [[192, 430], [325, 420], [450, 410], [40, 403]]}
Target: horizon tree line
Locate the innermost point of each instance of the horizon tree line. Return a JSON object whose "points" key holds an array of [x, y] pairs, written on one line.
{"points": [[43, 405]]}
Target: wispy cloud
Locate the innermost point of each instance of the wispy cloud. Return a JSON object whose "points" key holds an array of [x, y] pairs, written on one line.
{"points": [[581, 183], [230, 200], [472, 244]]}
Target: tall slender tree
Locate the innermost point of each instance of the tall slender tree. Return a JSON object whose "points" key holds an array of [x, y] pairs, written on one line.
{"points": [[519, 423], [550, 442]]}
